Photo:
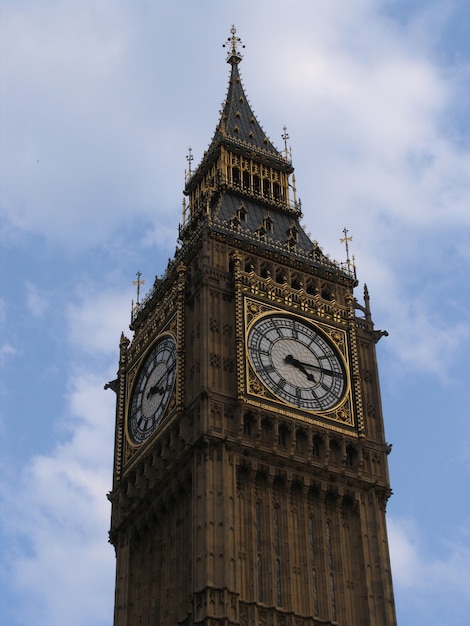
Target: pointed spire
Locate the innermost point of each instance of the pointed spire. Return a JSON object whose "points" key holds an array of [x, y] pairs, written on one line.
{"points": [[238, 122], [238, 129]]}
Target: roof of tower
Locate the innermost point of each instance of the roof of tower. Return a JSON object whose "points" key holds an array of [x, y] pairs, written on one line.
{"points": [[237, 121], [238, 127]]}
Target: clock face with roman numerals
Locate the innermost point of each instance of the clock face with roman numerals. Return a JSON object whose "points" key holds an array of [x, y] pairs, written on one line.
{"points": [[152, 390], [297, 362]]}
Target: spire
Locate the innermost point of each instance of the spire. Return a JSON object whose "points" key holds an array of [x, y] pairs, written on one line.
{"points": [[238, 129], [238, 122], [244, 187]]}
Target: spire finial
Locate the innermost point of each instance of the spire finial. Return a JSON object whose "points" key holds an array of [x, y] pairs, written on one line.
{"points": [[138, 282], [287, 151], [233, 56], [346, 241], [189, 159]]}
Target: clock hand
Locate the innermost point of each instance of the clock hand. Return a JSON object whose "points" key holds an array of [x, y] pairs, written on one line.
{"points": [[153, 390], [290, 360], [156, 387], [296, 363]]}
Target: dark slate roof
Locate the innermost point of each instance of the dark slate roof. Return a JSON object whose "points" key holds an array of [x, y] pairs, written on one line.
{"points": [[238, 121], [229, 206], [225, 220]]}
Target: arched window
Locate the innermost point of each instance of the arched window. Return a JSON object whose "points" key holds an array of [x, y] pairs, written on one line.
{"points": [[235, 176]]}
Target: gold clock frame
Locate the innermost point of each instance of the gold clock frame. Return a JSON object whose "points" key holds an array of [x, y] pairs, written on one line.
{"points": [[254, 392], [133, 450], [132, 377]]}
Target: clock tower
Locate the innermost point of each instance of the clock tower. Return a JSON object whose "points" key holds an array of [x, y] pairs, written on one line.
{"points": [[250, 475]]}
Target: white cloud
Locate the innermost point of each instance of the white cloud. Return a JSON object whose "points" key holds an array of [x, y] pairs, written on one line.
{"points": [[421, 335], [81, 152], [58, 516], [58, 519], [97, 320], [407, 566], [427, 580]]}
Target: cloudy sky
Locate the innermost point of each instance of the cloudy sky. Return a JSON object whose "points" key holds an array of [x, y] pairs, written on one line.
{"points": [[100, 100]]}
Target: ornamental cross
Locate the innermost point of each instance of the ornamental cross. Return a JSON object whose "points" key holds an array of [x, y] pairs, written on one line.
{"points": [[138, 282], [189, 159], [233, 42], [285, 137], [346, 240]]}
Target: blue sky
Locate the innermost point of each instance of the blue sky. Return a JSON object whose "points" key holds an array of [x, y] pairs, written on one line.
{"points": [[100, 101]]}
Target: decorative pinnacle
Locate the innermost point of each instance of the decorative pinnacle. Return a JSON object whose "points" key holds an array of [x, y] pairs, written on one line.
{"points": [[285, 137], [346, 240], [138, 282], [233, 56], [189, 159]]}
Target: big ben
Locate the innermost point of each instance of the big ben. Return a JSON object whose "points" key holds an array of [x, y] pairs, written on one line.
{"points": [[250, 476]]}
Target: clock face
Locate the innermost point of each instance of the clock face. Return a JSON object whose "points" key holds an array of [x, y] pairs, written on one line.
{"points": [[152, 390], [296, 362]]}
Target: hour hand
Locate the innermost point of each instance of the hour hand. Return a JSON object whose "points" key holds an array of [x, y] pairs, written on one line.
{"points": [[153, 390], [300, 365], [291, 360], [156, 388]]}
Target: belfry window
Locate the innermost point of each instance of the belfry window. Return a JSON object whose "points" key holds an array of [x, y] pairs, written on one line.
{"points": [[267, 187], [235, 176], [246, 180]]}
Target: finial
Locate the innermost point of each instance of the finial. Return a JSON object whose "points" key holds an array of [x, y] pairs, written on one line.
{"points": [[285, 137], [189, 159], [346, 240], [138, 282], [294, 190], [183, 211], [233, 56]]}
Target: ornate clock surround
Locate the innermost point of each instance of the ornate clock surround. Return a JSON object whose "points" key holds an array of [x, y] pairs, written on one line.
{"points": [[255, 296], [341, 416]]}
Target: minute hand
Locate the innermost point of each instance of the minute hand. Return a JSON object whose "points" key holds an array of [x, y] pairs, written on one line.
{"points": [[291, 359]]}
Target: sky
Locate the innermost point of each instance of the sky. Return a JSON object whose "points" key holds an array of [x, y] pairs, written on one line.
{"points": [[100, 101]]}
